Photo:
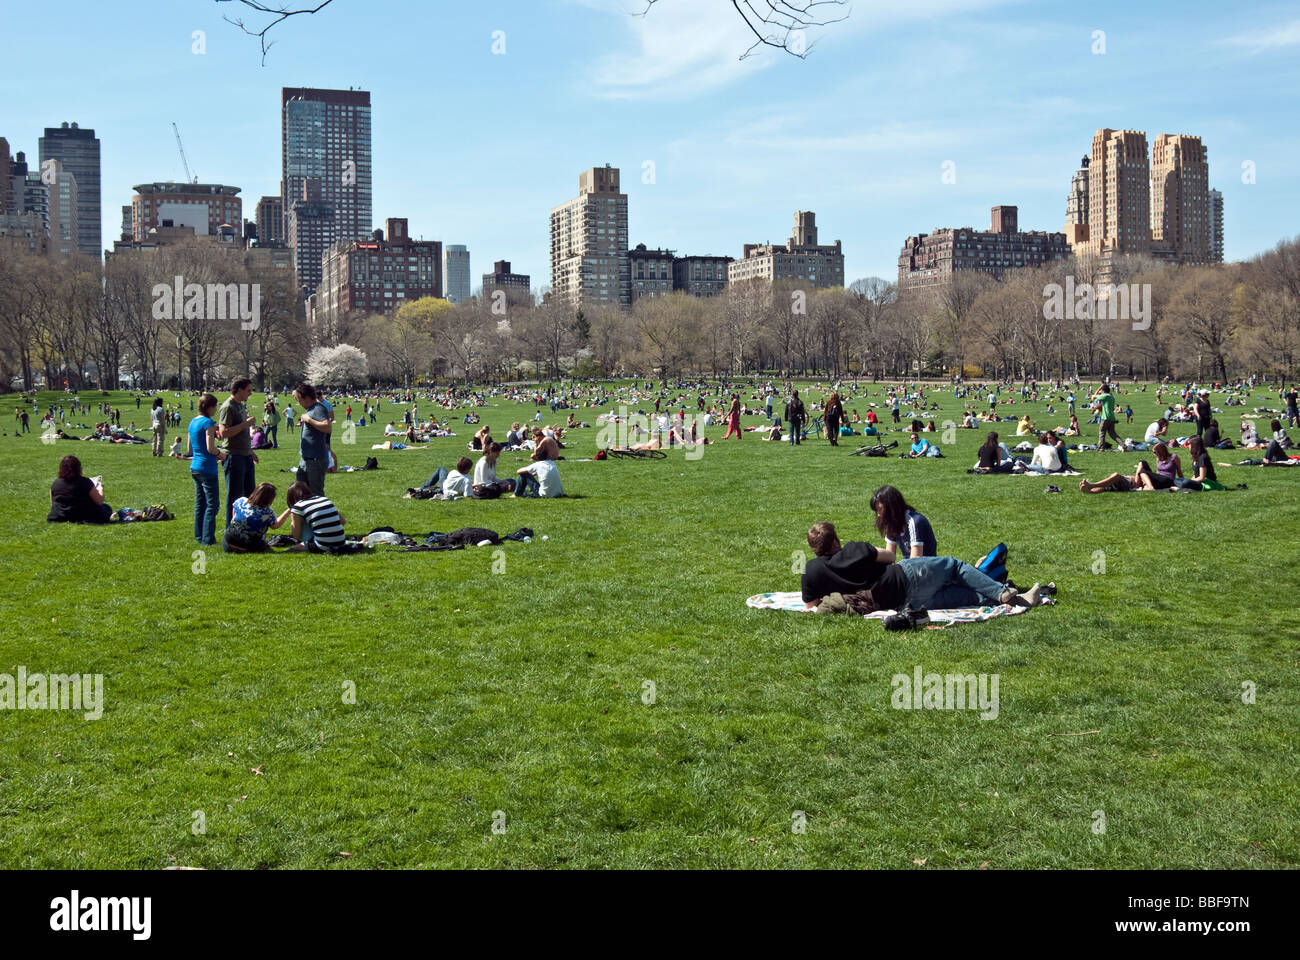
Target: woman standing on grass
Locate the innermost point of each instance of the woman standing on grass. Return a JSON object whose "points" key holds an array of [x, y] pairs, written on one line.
{"points": [[203, 468], [733, 418], [158, 419]]}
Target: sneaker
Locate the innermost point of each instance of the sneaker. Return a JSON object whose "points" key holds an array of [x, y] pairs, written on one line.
{"points": [[1052, 488]]}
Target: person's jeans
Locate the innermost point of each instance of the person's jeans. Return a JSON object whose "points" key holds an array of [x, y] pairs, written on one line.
{"points": [[207, 497], [273, 433], [796, 432], [526, 485], [435, 481], [26, 427], [1275, 451], [939, 583], [240, 479], [312, 473]]}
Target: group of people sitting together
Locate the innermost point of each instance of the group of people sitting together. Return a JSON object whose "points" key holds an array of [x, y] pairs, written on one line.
{"points": [[906, 574], [1050, 456], [479, 481]]}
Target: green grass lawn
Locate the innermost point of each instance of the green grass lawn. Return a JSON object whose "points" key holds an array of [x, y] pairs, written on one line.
{"points": [[521, 691]]}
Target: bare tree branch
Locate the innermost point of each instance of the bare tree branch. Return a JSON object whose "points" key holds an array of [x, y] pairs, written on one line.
{"points": [[780, 23], [278, 14]]}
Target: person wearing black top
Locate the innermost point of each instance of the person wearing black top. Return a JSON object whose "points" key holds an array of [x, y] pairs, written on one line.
{"points": [[922, 583], [76, 499], [794, 415], [990, 457], [1202, 409], [1211, 436]]}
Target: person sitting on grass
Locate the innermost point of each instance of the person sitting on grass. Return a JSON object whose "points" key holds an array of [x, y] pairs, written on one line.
{"points": [[920, 448], [1025, 428], [1276, 455], [250, 518], [1073, 429], [993, 456], [539, 479], [317, 523], [77, 499], [1202, 466], [907, 533], [459, 483], [1046, 458], [1169, 469], [544, 447], [875, 582], [1156, 431], [1249, 438], [486, 485]]}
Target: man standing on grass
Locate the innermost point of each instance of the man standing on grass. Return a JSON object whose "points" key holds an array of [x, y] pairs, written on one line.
{"points": [[313, 445], [233, 426], [1203, 413], [795, 416], [1106, 413]]}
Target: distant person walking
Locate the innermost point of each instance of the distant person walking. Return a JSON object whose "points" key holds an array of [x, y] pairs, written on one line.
{"points": [[833, 417], [1106, 415], [271, 421]]}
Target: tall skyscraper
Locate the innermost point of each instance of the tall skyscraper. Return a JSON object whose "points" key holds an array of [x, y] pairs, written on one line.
{"points": [[313, 229], [589, 243], [1119, 193], [64, 209], [270, 221], [1180, 198], [1076, 207], [325, 136], [6, 186], [455, 272], [78, 151], [1216, 226]]}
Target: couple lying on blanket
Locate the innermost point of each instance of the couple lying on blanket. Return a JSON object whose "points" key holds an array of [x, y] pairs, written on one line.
{"points": [[868, 579]]}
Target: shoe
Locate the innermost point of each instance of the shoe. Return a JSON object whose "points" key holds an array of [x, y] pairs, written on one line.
{"points": [[1008, 595], [1049, 590], [1052, 488]]}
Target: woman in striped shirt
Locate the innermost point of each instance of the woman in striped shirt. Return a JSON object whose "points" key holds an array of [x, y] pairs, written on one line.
{"points": [[317, 523]]}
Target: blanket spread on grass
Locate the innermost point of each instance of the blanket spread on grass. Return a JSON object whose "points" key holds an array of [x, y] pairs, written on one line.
{"points": [[939, 619]]}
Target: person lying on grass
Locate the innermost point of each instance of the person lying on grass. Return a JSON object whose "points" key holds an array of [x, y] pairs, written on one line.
{"points": [[317, 523], [876, 582], [250, 518]]}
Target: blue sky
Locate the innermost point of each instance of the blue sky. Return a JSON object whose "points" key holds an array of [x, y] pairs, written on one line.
{"points": [[475, 147]]}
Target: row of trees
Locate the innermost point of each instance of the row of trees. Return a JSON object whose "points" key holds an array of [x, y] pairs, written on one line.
{"points": [[75, 322]]}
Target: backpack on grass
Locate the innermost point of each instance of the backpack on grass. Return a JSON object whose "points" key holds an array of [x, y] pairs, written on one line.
{"points": [[994, 563]]}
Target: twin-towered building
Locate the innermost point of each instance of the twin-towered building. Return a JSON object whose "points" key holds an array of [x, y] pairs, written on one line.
{"points": [[1123, 201]]}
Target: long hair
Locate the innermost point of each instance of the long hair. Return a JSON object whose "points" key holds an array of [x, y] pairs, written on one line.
{"points": [[891, 511], [1195, 447], [69, 468]]}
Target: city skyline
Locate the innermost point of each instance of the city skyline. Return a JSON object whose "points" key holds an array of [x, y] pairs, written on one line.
{"points": [[875, 159]]}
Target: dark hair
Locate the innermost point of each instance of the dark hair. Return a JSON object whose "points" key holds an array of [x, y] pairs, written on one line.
{"points": [[1196, 447], [298, 491], [206, 403], [1045, 437], [891, 511], [821, 537], [239, 384], [495, 447], [157, 402], [263, 495], [993, 437], [1163, 422], [1161, 450], [1275, 426], [69, 468], [305, 389], [464, 465]]}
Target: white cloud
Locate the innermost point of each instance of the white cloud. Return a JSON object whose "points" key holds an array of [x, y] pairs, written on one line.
{"points": [[1268, 38]]}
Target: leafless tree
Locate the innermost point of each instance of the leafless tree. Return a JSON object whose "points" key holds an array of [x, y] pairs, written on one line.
{"points": [[271, 15], [781, 23]]}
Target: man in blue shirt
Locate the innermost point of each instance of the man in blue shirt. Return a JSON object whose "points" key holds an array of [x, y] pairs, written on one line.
{"points": [[313, 444]]}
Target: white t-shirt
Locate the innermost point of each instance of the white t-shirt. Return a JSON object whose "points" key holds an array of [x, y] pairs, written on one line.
{"points": [[548, 478], [484, 472], [1151, 435], [1046, 456], [457, 484]]}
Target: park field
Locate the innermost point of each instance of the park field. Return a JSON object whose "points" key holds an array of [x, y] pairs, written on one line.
{"points": [[509, 688]]}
